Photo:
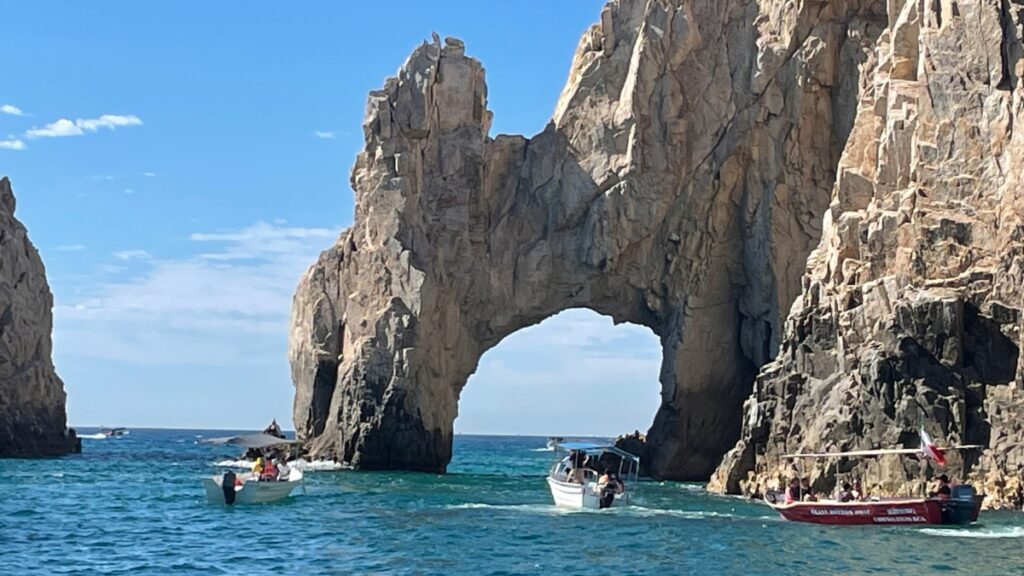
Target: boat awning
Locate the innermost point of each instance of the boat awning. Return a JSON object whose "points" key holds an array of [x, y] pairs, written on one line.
{"points": [[250, 440], [593, 447], [880, 452]]}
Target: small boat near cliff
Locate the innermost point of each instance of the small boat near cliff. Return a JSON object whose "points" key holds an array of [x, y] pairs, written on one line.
{"points": [[575, 479], [114, 432], [248, 488], [960, 506]]}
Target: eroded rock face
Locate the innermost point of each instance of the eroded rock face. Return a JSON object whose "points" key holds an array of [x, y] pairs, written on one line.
{"points": [[911, 305], [32, 417], [680, 186]]}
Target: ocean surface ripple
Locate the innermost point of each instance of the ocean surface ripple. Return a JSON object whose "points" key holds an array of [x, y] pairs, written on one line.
{"points": [[134, 505]]}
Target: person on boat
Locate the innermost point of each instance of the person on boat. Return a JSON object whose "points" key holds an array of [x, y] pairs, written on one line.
{"points": [[942, 489], [858, 491], [269, 471], [257, 468], [846, 494], [805, 490], [793, 491], [577, 463], [283, 469], [274, 429]]}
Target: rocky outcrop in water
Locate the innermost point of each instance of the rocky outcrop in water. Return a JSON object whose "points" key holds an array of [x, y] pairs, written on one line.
{"points": [[910, 307], [680, 185], [32, 417]]}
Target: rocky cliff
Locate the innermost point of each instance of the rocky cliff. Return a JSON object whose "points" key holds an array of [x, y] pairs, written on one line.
{"points": [[910, 308], [32, 418], [680, 185]]}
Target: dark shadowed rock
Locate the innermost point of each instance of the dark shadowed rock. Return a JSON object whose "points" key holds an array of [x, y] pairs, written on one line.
{"points": [[32, 417]]}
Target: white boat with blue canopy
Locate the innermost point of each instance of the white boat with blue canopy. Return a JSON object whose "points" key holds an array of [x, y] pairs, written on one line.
{"points": [[592, 476], [248, 487]]}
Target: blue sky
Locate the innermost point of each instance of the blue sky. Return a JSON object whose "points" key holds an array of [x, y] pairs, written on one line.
{"points": [[179, 165]]}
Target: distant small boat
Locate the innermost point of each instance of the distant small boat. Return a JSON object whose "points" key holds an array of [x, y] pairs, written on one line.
{"points": [[247, 488], [114, 432], [575, 484], [554, 441]]}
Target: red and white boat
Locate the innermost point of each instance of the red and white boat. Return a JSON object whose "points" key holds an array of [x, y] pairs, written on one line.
{"points": [[961, 506]]}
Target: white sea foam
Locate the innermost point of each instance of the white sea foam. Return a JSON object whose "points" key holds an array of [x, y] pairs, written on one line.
{"points": [[545, 449], [93, 436], [993, 533], [526, 508], [300, 464]]}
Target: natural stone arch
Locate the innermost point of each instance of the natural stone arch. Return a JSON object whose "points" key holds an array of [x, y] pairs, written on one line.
{"points": [[679, 187]]}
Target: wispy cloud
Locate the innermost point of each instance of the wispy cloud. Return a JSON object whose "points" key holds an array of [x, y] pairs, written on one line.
{"points": [[225, 306], [132, 255], [102, 177], [325, 134], [71, 248], [149, 174], [12, 110], [129, 191], [65, 127], [12, 144]]}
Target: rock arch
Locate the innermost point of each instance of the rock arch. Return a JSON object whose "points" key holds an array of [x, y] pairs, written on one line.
{"points": [[679, 186]]}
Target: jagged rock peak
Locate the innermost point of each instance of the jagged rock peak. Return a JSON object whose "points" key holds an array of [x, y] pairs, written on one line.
{"points": [[910, 309], [32, 417], [680, 186]]}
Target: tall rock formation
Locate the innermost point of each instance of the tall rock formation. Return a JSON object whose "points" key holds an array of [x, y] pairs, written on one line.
{"points": [[680, 185], [32, 417], [910, 308]]}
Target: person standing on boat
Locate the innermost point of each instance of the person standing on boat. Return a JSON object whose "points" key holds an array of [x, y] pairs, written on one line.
{"points": [[858, 491]]}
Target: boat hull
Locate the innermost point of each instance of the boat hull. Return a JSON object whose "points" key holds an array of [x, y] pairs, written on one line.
{"points": [[884, 513], [581, 497], [252, 492]]}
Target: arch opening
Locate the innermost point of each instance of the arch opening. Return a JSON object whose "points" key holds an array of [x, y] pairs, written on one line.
{"points": [[574, 374]]}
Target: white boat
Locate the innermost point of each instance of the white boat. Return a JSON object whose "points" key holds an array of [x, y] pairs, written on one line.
{"points": [[249, 489], [114, 432], [575, 483]]}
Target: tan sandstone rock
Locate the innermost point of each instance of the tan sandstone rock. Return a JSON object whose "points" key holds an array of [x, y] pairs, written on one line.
{"points": [[32, 417], [911, 303], [680, 186]]}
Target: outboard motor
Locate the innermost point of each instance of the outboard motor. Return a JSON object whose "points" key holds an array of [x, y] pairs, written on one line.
{"points": [[227, 484], [962, 505]]}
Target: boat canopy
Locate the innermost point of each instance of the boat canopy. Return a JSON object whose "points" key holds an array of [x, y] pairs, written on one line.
{"points": [[879, 452], [593, 447], [250, 440]]}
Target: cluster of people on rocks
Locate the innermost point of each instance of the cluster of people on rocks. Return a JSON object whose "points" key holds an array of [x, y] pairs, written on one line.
{"points": [[799, 490]]}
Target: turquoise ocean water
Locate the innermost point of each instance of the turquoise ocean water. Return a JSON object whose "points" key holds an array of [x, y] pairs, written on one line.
{"points": [[135, 506]]}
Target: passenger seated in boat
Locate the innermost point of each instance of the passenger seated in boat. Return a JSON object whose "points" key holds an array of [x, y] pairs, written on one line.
{"points": [[805, 490], [858, 491], [609, 482], [793, 491], [846, 494], [576, 472], [942, 489], [257, 468], [283, 469], [269, 471]]}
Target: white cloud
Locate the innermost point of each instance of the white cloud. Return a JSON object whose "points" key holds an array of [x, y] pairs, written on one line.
{"points": [[149, 174], [325, 134], [71, 248], [129, 191], [65, 127], [12, 110], [221, 308], [12, 144], [104, 177], [132, 255]]}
